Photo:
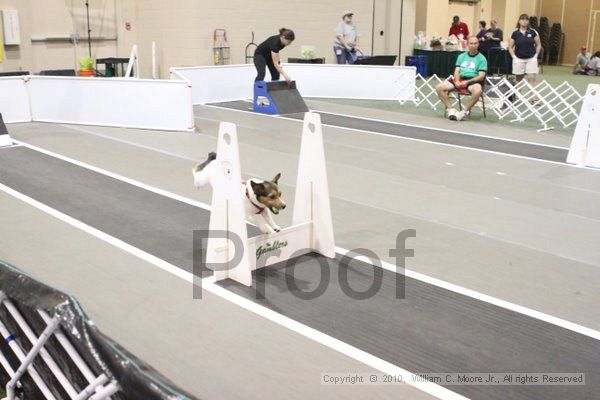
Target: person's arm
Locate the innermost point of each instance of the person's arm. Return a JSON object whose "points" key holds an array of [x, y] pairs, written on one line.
{"points": [[476, 79], [466, 31], [456, 77], [357, 44], [511, 47], [343, 42], [538, 46], [277, 63], [499, 37]]}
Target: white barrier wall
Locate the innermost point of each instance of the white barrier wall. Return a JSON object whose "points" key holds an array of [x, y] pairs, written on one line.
{"points": [[214, 84], [14, 99], [369, 82], [122, 102]]}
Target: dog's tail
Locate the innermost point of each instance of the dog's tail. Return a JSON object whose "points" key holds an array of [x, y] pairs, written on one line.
{"points": [[200, 166], [202, 175]]}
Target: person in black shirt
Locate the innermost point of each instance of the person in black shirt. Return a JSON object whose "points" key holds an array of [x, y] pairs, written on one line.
{"points": [[267, 55], [524, 47]]}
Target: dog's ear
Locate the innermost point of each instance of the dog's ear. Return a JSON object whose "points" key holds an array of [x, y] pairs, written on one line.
{"points": [[276, 179], [256, 187]]}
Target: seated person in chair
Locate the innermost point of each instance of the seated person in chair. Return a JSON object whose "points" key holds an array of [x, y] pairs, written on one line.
{"points": [[592, 66], [581, 61], [469, 78]]}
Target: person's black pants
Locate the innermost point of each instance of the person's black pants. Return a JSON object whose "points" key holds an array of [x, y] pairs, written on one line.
{"points": [[261, 65]]}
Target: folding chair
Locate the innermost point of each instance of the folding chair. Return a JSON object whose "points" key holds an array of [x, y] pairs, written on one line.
{"points": [[482, 99], [459, 95]]}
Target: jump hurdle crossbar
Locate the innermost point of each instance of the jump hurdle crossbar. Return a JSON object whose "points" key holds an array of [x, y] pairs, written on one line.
{"points": [[312, 227]]}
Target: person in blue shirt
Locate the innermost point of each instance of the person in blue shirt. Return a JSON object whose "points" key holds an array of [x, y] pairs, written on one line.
{"points": [[524, 47]]}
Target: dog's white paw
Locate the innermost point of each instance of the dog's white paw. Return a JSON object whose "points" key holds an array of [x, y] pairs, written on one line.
{"points": [[267, 229]]}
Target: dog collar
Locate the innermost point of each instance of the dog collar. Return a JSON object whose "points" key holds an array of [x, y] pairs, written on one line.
{"points": [[247, 184]]}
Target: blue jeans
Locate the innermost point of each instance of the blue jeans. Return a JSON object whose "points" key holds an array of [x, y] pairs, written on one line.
{"points": [[344, 56]]}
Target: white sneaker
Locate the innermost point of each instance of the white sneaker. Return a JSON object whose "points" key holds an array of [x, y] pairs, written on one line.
{"points": [[451, 113], [461, 115]]}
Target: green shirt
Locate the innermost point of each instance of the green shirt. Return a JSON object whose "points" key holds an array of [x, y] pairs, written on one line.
{"points": [[471, 65]]}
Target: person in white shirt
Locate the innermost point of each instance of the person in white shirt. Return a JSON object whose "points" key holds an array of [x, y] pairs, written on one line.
{"points": [[581, 61]]}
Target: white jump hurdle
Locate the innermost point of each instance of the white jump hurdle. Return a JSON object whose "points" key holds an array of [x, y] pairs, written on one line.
{"points": [[4, 136], [312, 227], [585, 146]]}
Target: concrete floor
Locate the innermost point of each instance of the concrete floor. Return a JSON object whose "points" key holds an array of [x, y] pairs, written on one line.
{"points": [[153, 314], [476, 125], [521, 230]]}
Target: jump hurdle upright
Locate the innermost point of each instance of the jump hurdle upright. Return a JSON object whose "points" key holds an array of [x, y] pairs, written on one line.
{"points": [[312, 227], [4, 136], [585, 145]]}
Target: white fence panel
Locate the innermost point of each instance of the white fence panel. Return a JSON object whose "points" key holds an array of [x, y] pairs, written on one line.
{"points": [[367, 82], [14, 99], [214, 84], [122, 102]]}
